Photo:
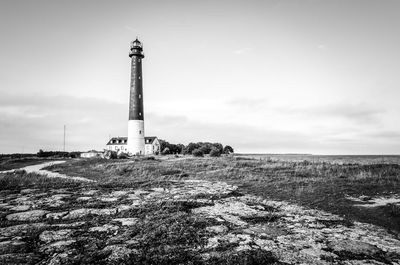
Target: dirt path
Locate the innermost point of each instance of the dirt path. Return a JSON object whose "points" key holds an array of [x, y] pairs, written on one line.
{"points": [[38, 169]]}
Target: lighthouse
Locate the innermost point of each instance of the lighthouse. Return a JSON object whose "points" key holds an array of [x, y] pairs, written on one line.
{"points": [[136, 141]]}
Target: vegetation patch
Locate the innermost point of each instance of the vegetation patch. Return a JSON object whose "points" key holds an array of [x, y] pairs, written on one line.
{"points": [[265, 218], [333, 223]]}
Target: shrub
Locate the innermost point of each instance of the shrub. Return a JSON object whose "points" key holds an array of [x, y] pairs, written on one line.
{"points": [[197, 152], [215, 152], [122, 155], [110, 154]]}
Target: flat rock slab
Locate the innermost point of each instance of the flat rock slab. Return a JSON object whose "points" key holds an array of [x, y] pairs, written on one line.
{"points": [[20, 208], [22, 229], [104, 228], [33, 215], [57, 215], [83, 212], [57, 235], [126, 221], [217, 229], [12, 246], [58, 246]]}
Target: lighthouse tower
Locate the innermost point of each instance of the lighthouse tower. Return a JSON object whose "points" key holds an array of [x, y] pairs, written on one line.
{"points": [[136, 143]]}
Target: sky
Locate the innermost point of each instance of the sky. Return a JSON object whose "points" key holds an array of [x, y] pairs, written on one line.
{"points": [[272, 76]]}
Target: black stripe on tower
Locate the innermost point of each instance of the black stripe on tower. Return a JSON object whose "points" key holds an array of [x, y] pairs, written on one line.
{"points": [[136, 89]]}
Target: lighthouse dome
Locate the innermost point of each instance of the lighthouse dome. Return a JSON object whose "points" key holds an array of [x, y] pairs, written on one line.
{"points": [[136, 43]]}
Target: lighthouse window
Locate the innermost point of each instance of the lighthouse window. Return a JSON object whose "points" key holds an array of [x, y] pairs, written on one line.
{"points": [[139, 77], [140, 96], [140, 131], [140, 114]]}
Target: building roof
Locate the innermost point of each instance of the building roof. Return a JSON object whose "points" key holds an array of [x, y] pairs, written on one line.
{"points": [[124, 140], [118, 141], [149, 140]]}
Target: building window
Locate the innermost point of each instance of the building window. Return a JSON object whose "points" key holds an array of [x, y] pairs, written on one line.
{"points": [[139, 76], [140, 114], [140, 96], [140, 131], [138, 60]]}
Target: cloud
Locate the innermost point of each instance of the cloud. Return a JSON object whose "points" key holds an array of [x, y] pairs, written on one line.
{"points": [[247, 102], [36, 122], [242, 138], [242, 51], [135, 30], [360, 113], [32, 122]]}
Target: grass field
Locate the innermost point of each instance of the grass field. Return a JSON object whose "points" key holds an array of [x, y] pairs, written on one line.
{"points": [[15, 163], [318, 182]]}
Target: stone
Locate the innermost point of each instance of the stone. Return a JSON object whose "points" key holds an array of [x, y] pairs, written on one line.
{"points": [[109, 199], [355, 247], [83, 198], [89, 192], [104, 228], [57, 215], [69, 225], [20, 208], [58, 259], [83, 212], [119, 193], [28, 191], [126, 221], [124, 207], [12, 246], [17, 258], [5, 206], [22, 229], [57, 235], [217, 229], [33, 215], [58, 246]]}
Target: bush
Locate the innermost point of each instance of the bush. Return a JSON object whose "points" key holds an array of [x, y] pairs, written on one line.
{"points": [[122, 155], [197, 153], [215, 152], [110, 154]]}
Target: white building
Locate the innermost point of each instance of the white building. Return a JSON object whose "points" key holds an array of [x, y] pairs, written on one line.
{"points": [[151, 145]]}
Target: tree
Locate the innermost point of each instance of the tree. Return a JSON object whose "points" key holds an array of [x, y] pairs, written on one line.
{"points": [[205, 147], [219, 147], [197, 153], [190, 147], [215, 152], [228, 150]]}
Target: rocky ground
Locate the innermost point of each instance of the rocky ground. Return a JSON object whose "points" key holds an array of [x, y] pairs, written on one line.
{"points": [[177, 222], [208, 222]]}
